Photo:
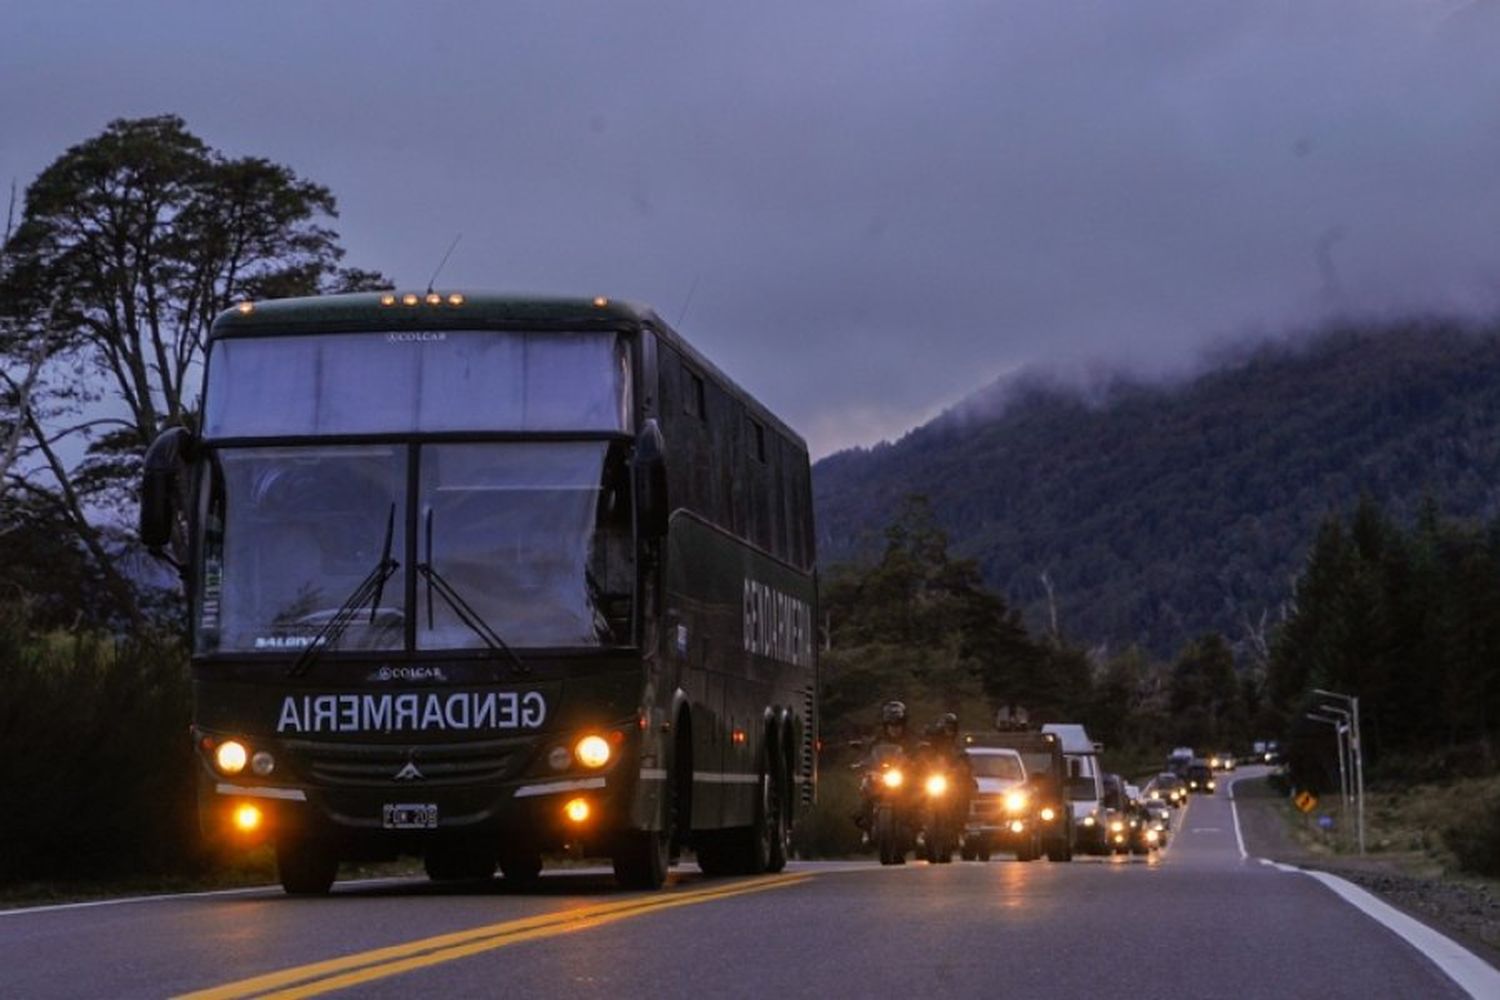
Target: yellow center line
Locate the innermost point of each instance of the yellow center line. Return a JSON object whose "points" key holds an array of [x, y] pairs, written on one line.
{"points": [[360, 967]]}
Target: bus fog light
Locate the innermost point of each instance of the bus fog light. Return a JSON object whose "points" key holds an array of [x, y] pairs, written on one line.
{"points": [[577, 810], [262, 763], [592, 751], [231, 757], [247, 818], [558, 758], [1016, 826]]}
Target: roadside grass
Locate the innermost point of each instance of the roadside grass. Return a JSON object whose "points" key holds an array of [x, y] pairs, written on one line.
{"points": [[1404, 824], [254, 869]]}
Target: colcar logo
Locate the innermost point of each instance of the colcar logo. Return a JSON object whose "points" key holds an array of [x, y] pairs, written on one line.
{"points": [[415, 337], [388, 673], [409, 772]]}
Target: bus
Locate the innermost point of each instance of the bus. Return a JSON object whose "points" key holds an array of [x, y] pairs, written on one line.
{"points": [[481, 578]]}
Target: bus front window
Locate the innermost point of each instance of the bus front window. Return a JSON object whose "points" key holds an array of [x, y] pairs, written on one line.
{"points": [[534, 536], [288, 535]]}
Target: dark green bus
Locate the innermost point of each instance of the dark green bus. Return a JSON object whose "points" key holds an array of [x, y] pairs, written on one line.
{"points": [[480, 578]]}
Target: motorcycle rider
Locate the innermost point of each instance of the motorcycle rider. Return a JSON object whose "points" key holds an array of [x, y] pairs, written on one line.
{"points": [[944, 749], [891, 734]]}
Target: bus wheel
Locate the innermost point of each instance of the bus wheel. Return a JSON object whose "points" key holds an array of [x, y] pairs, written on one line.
{"points": [[777, 828], [305, 867], [641, 859], [521, 868]]}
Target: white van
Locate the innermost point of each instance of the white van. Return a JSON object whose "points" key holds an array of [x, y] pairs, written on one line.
{"points": [[1085, 785]]}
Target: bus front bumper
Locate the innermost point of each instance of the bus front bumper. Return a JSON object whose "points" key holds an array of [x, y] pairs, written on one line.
{"points": [[540, 814]]}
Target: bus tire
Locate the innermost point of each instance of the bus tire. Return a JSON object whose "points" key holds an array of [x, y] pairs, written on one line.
{"points": [[778, 803], [641, 858], [305, 867]]}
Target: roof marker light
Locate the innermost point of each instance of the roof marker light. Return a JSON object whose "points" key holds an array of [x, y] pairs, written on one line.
{"points": [[600, 301], [434, 299], [388, 299], [409, 299], [246, 308], [455, 299]]}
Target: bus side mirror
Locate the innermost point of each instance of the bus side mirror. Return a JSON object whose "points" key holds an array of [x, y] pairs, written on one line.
{"points": [[651, 480], [162, 482]]}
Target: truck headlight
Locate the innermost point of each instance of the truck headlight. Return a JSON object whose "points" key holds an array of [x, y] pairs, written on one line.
{"points": [[937, 785], [893, 778], [1015, 801]]}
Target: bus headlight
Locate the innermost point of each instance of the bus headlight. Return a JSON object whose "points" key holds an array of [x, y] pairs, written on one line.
{"points": [[262, 763], [592, 751], [893, 778], [231, 757], [937, 785], [577, 810], [1015, 801]]}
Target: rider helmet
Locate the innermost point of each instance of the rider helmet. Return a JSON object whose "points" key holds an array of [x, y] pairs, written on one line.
{"points": [[893, 713]]}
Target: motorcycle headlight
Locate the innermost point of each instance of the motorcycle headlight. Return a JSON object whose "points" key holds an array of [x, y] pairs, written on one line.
{"points": [[893, 778], [1015, 801], [937, 784]]}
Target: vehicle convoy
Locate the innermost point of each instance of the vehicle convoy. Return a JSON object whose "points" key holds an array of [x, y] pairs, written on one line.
{"points": [[476, 577], [1002, 815], [1084, 786]]}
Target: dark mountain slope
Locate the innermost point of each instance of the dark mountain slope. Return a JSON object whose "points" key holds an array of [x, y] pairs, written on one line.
{"points": [[1159, 512]]}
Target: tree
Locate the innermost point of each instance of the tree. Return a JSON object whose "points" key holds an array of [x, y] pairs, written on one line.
{"points": [[129, 245]]}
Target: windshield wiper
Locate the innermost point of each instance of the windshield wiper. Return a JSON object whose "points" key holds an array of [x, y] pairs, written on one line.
{"points": [[462, 609], [369, 589]]}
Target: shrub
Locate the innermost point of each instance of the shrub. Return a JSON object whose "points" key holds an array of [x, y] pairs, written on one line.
{"points": [[96, 770], [1474, 838]]}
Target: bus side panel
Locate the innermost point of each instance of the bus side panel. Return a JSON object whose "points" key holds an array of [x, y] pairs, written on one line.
{"points": [[749, 623]]}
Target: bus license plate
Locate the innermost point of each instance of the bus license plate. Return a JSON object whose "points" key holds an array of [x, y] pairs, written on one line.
{"points": [[411, 816]]}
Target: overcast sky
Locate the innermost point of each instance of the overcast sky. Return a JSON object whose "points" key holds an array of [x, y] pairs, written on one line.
{"points": [[861, 209]]}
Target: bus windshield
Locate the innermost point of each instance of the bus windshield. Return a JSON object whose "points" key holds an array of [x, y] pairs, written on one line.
{"points": [[535, 537]]}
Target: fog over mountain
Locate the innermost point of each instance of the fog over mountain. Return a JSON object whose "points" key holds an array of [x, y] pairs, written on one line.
{"points": [[1158, 510]]}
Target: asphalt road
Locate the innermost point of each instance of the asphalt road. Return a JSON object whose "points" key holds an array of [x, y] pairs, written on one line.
{"points": [[1198, 921]]}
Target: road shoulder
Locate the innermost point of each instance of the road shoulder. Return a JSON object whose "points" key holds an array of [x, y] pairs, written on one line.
{"points": [[1466, 911]]}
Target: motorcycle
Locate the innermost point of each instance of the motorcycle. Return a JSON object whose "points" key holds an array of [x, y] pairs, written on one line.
{"points": [[939, 822], [883, 788]]}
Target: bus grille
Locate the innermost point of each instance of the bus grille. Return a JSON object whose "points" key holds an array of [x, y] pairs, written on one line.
{"points": [[350, 764]]}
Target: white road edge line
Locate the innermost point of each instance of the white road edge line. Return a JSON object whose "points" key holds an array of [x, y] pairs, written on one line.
{"points": [[249, 890], [1472, 974], [1235, 815]]}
